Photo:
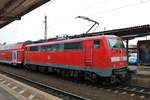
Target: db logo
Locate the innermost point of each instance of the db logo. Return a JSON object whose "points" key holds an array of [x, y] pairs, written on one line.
{"points": [[49, 57]]}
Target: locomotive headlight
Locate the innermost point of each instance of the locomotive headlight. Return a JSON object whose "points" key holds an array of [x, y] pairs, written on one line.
{"points": [[49, 57]]}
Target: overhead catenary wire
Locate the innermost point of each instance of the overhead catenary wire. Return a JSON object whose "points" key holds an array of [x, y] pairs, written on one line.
{"points": [[118, 8], [65, 20], [74, 10]]}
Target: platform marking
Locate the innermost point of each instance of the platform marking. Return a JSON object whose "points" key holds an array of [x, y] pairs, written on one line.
{"points": [[31, 96], [3, 82], [14, 87], [141, 90], [7, 84], [133, 89], [22, 91]]}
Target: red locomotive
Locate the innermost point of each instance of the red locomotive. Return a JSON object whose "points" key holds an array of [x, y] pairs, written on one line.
{"points": [[92, 58]]}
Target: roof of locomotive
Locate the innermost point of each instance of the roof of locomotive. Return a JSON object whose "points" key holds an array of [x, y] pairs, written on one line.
{"points": [[12, 46], [72, 40]]}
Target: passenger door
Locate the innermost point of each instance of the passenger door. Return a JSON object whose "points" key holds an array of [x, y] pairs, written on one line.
{"points": [[14, 57]]}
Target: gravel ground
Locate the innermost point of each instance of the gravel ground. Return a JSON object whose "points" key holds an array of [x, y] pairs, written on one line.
{"points": [[73, 87]]}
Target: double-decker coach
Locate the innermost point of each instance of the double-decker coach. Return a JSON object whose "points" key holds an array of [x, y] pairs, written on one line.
{"points": [[12, 54]]}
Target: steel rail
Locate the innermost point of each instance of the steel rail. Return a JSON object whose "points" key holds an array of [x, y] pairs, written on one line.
{"points": [[135, 89]]}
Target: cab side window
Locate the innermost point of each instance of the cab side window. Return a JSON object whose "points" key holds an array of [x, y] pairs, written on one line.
{"points": [[96, 43]]}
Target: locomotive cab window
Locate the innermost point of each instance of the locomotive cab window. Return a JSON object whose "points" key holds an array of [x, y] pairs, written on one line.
{"points": [[115, 43], [96, 43]]}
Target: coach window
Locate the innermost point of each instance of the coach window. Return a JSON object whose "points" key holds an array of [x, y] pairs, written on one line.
{"points": [[57, 47], [73, 46], [61, 47], [96, 43], [54, 47], [34, 48], [49, 47], [44, 48]]}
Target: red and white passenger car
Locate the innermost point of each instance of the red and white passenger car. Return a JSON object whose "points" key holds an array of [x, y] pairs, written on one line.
{"points": [[12, 54]]}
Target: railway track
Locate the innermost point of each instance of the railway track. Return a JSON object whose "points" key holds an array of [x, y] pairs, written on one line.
{"points": [[122, 90], [135, 89], [49, 89]]}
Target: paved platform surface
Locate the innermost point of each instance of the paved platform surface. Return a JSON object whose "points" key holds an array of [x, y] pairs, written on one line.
{"points": [[141, 70], [4, 95], [11, 89], [133, 68]]}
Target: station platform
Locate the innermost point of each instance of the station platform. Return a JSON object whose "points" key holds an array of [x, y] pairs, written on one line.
{"points": [[144, 71], [141, 77], [4, 95], [11, 89]]}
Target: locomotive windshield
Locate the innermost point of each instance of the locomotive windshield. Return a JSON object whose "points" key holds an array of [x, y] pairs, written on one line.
{"points": [[115, 43]]}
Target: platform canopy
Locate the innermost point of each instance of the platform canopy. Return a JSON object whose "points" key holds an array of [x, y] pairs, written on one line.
{"points": [[11, 10], [128, 33], [125, 33]]}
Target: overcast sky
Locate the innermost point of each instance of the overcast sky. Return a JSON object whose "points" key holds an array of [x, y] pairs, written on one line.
{"points": [[112, 14]]}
